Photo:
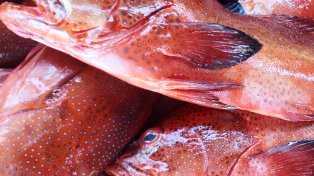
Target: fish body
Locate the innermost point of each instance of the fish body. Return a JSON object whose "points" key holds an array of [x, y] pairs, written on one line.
{"points": [[302, 8], [13, 48], [195, 51], [200, 141], [62, 117]]}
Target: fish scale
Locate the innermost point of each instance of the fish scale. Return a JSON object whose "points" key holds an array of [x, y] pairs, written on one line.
{"points": [[61, 131], [195, 140], [195, 51]]}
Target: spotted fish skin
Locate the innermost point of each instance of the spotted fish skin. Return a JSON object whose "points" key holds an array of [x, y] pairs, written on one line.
{"points": [[302, 8], [196, 140], [195, 51], [78, 123]]}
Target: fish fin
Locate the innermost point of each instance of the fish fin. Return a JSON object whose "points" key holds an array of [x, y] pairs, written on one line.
{"points": [[200, 93], [235, 7], [207, 46], [295, 117], [299, 23], [293, 159]]}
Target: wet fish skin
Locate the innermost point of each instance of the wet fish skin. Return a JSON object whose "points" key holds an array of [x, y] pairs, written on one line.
{"points": [[301, 8], [62, 117], [13, 48], [181, 49], [200, 141]]}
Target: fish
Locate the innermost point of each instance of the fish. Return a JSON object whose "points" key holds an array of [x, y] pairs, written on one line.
{"points": [[301, 8], [60, 116], [194, 51], [13, 48], [195, 140]]}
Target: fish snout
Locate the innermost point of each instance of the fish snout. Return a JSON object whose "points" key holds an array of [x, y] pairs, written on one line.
{"points": [[30, 22]]}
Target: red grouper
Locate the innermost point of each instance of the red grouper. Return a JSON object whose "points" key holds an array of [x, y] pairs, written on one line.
{"points": [[13, 48], [196, 51], [59, 116], [197, 141], [302, 8]]}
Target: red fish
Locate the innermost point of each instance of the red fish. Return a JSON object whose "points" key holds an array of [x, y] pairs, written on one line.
{"points": [[302, 8], [260, 64], [199, 141], [62, 117], [13, 48]]}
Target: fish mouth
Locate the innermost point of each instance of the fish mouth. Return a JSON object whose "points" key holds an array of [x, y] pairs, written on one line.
{"points": [[126, 168], [29, 22]]}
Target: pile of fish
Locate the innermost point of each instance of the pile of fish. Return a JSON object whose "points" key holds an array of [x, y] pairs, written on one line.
{"points": [[84, 87]]}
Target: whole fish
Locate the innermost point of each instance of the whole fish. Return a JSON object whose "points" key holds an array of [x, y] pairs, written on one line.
{"points": [[79, 121], [302, 8], [13, 48], [196, 51], [199, 141]]}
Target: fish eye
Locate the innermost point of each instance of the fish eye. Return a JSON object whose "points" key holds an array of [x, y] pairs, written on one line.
{"points": [[150, 137]]}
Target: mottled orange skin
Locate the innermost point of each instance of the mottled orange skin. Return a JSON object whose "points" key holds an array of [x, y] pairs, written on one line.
{"points": [[77, 124], [143, 50], [13, 48], [302, 8], [199, 141]]}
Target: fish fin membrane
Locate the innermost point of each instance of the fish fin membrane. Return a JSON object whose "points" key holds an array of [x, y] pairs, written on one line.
{"points": [[207, 45], [295, 117], [294, 159], [299, 23], [233, 6], [197, 92]]}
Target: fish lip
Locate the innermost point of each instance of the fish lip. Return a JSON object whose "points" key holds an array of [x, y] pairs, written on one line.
{"points": [[22, 19], [113, 170], [129, 164], [124, 169]]}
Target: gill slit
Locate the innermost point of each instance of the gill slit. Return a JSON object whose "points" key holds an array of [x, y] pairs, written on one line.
{"points": [[205, 152]]}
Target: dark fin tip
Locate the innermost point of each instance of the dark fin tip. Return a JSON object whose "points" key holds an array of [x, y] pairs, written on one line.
{"points": [[252, 47], [233, 6]]}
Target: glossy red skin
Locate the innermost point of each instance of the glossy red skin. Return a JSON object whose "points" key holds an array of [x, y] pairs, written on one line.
{"points": [[62, 117], [277, 81], [4, 73], [301, 8], [199, 141], [13, 48]]}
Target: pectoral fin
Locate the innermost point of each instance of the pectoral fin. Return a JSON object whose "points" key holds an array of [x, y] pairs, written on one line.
{"points": [[293, 159], [208, 46]]}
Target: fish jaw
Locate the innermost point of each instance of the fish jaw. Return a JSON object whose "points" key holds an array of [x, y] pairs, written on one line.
{"points": [[28, 22]]}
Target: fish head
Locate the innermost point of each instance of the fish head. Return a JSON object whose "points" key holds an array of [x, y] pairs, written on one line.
{"points": [[170, 149], [60, 23], [65, 21]]}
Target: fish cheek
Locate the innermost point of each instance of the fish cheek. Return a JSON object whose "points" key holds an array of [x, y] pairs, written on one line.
{"points": [[85, 18], [132, 12], [178, 158]]}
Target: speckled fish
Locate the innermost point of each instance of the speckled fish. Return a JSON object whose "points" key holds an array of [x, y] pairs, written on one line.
{"points": [[302, 8], [176, 48], [13, 48], [62, 117], [193, 141]]}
